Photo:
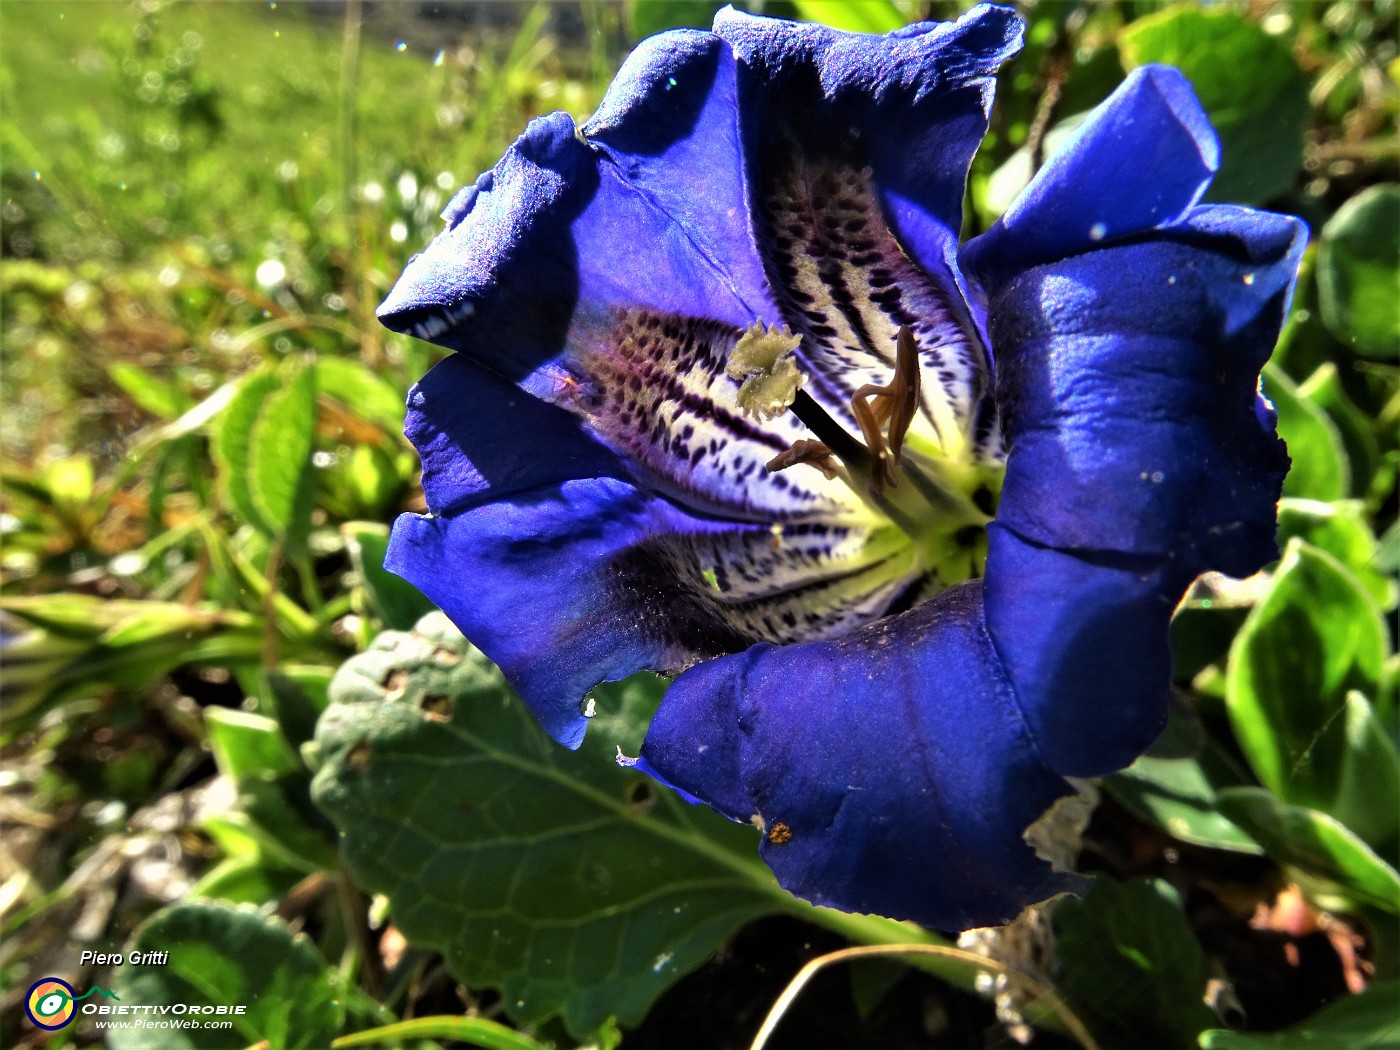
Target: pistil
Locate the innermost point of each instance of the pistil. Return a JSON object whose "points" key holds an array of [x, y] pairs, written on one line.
{"points": [[926, 505]]}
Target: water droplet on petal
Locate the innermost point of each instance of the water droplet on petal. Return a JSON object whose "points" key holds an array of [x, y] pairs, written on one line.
{"points": [[1097, 231]]}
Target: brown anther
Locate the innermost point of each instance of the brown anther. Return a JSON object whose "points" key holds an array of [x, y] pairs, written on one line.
{"points": [[780, 834], [804, 450], [894, 408]]}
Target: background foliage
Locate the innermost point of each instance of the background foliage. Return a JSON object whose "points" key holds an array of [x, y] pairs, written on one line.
{"points": [[202, 204]]}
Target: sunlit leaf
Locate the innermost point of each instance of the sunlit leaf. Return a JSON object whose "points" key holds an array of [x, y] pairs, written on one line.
{"points": [[1324, 389], [1317, 845], [1369, 1021], [279, 456], [861, 16], [1341, 529], [1313, 638], [273, 787], [362, 391], [1248, 82], [162, 398], [1358, 272], [1176, 795], [1319, 469]]}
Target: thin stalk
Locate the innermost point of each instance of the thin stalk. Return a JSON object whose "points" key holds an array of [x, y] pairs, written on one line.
{"points": [[784, 1002]]}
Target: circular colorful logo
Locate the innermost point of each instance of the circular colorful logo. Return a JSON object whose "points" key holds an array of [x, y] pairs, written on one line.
{"points": [[49, 1003]]}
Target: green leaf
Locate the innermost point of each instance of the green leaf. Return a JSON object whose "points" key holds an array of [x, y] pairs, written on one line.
{"points": [[576, 887], [249, 873], [162, 398], [1314, 637], [273, 787], [1138, 975], [1369, 1021], [1321, 849], [1324, 389], [393, 600], [279, 458], [1250, 86], [1358, 272], [1176, 795], [362, 391], [1343, 531], [221, 955], [232, 444], [263, 449], [1320, 470], [855, 16], [295, 695], [1368, 796], [80, 641]]}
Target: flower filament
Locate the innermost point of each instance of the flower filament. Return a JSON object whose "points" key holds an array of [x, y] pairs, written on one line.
{"points": [[941, 502]]}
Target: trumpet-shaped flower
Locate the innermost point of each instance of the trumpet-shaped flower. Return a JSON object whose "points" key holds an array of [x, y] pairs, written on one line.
{"points": [[908, 519]]}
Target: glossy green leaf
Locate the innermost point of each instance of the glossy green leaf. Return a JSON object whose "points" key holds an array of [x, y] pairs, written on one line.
{"points": [[1319, 847], [81, 642], [1248, 82], [1313, 638], [577, 887], [221, 955], [1355, 430], [1176, 795], [393, 600], [1138, 974], [295, 695], [1368, 1021], [249, 872], [1368, 795], [1358, 272], [1319, 470], [1341, 529]]}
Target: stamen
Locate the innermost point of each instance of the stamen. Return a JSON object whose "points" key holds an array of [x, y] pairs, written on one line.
{"points": [[896, 405], [804, 450]]}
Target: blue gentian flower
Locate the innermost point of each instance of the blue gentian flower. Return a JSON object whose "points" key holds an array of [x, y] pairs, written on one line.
{"points": [[908, 519]]}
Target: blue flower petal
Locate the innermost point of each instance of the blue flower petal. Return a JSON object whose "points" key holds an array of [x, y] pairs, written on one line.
{"points": [[1141, 160], [502, 280], [1128, 381], [481, 438], [641, 209], [1084, 641], [891, 769], [858, 148], [546, 555], [1141, 456]]}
